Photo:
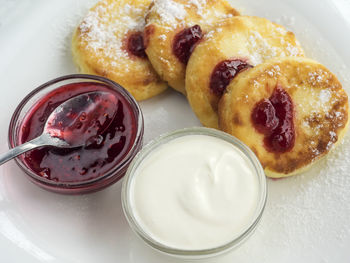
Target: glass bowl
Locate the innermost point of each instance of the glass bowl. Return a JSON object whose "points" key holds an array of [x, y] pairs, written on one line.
{"points": [[237, 238], [84, 186]]}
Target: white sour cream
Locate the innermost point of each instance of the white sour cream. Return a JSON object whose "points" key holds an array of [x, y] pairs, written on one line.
{"points": [[195, 192]]}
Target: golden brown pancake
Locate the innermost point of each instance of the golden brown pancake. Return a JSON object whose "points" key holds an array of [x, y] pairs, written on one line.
{"points": [[251, 40], [101, 46], [166, 20], [319, 113]]}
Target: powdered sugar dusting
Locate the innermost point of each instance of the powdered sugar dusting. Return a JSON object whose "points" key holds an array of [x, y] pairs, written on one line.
{"points": [[162, 37], [260, 49], [173, 13], [211, 33], [325, 96], [132, 17], [105, 27], [293, 50], [169, 11], [200, 4]]}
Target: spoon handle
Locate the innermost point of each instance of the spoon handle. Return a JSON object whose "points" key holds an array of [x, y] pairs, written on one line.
{"points": [[12, 153]]}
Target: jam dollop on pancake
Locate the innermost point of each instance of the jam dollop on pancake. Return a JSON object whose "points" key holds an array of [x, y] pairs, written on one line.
{"points": [[224, 72], [274, 118], [174, 28], [185, 42], [234, 45], [135, 45], [290, 111], [109, 42]]}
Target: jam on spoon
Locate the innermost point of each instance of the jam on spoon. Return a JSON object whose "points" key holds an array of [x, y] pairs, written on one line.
{"points": [[82, 117], [65, 121]]}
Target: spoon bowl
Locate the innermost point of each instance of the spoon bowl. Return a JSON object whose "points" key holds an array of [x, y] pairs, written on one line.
{"points": [[73, 123], [82, 117]]}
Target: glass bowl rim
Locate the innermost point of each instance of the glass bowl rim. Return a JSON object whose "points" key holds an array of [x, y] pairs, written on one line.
{"points": [[12, 136], [164, 138]]}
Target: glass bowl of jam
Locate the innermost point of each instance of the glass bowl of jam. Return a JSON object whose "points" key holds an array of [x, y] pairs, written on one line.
{"points": [[104, 157]]}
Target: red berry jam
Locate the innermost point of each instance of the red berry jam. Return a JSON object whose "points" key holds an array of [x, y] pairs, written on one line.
{"points": [[109, 138], [185, 41], [82, 117], [273, 117], [224, 72], [135, 45]]}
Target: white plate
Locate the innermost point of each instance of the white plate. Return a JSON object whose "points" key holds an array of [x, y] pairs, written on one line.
{"points": [[307, 218]]}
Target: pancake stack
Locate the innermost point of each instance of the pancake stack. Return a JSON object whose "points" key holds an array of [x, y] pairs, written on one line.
{"points": [[242, 74]]}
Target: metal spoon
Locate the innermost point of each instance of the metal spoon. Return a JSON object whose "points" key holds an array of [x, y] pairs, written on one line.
{"points": [[72, 123]]}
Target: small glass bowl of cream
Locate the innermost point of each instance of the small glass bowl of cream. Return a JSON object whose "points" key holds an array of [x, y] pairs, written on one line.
{"points": [[194, 193], [101, 161]]}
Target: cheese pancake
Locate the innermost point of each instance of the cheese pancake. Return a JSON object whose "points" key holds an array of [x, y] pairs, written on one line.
{"points": [[290, 111], [109, 42]]}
